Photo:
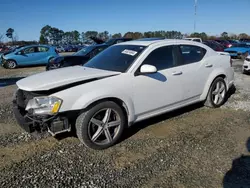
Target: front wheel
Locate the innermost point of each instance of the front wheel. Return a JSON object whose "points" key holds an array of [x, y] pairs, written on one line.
{"points": [[101, 126], [216, 94], [10, 64]]}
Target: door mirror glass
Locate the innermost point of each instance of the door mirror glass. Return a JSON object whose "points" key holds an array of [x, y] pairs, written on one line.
{"points": [[148, 69]]}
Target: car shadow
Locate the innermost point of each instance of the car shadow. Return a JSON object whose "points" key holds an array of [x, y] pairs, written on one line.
{"points": [[239, 175], [9, 81], [132, 130]]}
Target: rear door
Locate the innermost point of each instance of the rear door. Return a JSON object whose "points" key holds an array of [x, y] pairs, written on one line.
{"points": [[195, 69], [41, 55]]}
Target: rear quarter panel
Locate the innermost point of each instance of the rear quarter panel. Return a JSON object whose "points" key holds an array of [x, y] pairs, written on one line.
{"points": [[221, 66]]}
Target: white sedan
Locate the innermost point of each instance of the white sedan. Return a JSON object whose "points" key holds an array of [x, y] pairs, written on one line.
{"points": [[124, 84], [246, 65]]}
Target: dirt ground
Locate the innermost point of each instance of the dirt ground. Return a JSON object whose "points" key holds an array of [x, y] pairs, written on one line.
{"points": [[192, 147]]}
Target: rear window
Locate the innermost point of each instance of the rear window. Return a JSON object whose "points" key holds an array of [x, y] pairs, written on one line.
{"points": [[42, 49], [192, 54]]}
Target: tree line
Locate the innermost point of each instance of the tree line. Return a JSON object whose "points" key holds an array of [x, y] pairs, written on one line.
{"points": [[53, 35]]}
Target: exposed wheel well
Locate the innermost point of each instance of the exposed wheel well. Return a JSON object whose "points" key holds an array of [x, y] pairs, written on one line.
{"points": [[117, 101], [221, 76]]}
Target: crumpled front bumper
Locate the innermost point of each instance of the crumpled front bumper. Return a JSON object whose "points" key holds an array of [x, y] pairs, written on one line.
{"points": [[37, 123]]}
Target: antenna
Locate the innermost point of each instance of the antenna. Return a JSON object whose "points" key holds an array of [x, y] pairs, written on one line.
{"points": [[195, 9]]}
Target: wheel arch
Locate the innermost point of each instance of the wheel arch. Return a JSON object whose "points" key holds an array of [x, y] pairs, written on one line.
{"points": [[124, 102], [10, 59], [209, 82]]}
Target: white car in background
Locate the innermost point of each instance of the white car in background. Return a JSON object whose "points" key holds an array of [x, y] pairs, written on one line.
{"points": [[194, 39], [124, 84], [246, 65]]}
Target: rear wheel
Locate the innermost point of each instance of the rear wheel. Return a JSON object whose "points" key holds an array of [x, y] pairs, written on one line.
{"points": [[10, 64], [101, 126], [216, 94]]}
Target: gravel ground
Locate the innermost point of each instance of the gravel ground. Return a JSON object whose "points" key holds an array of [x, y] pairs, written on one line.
{"points": [[192, 147]]}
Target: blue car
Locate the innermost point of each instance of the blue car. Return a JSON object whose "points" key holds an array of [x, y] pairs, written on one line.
{"points": [[240, 50], [28, 55]]}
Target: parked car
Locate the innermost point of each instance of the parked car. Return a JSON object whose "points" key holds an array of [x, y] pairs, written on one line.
{"points": [[28, 55], [225, 43], [214, 45], [194, 39], [125, 84], [59, 49], [83, 55], [245, 40], [78, 58], [246, 65], [240, 50]]}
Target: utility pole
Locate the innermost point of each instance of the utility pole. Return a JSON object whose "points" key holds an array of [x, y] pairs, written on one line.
{"points": [[195, 9]]}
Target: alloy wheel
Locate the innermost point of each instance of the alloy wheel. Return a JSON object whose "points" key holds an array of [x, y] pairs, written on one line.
{"points": [[11, 64], [104, 126], [219, 93]]}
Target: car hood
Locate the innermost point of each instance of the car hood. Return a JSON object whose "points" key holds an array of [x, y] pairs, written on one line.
{"points": [[237, 49], [61, 77]]}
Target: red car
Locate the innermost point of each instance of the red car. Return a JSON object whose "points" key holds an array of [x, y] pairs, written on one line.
{"points": [[224, 43], [214, 45]]}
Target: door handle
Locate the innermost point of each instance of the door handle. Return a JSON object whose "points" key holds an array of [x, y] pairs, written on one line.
{"points": [[177, 73], [208, 65]]}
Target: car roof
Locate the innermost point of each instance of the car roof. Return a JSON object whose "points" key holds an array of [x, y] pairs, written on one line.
{"points": [[164, 41]]}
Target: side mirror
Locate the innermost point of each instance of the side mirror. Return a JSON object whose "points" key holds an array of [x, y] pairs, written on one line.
{"points": [[148, 69]]}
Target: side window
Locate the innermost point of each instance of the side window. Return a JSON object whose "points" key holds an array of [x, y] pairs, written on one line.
{"points": [[197, 40], [42, 49], [192, 54], [161, 58], [29, 50]]}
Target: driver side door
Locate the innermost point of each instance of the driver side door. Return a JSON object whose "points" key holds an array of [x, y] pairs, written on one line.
{"points": [[161, 91], [27, 57]]}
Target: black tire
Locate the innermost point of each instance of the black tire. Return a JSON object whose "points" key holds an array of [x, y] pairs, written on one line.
{"points": [[209, 100], [10, 64], [83, 125]]}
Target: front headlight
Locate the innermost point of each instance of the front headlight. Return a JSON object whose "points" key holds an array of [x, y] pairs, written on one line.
{"points": [[44, 105]]}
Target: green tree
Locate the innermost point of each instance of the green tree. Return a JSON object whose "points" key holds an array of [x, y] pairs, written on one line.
{"points": [[9, 33], [243, 35], [91, 34], [76, 36], [117, 35], [224, 35], [43, 40]]}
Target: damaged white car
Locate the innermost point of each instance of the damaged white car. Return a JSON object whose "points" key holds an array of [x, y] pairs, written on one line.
{"points": [[124, 84]]}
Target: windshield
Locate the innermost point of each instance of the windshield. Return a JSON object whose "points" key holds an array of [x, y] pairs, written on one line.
{"points": [[85, 50], [116, 58], [110, 41]]}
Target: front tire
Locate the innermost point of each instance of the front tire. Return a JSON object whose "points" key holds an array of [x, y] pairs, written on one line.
{"points": [[101, 126], [216, 94], [10, 64]]}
